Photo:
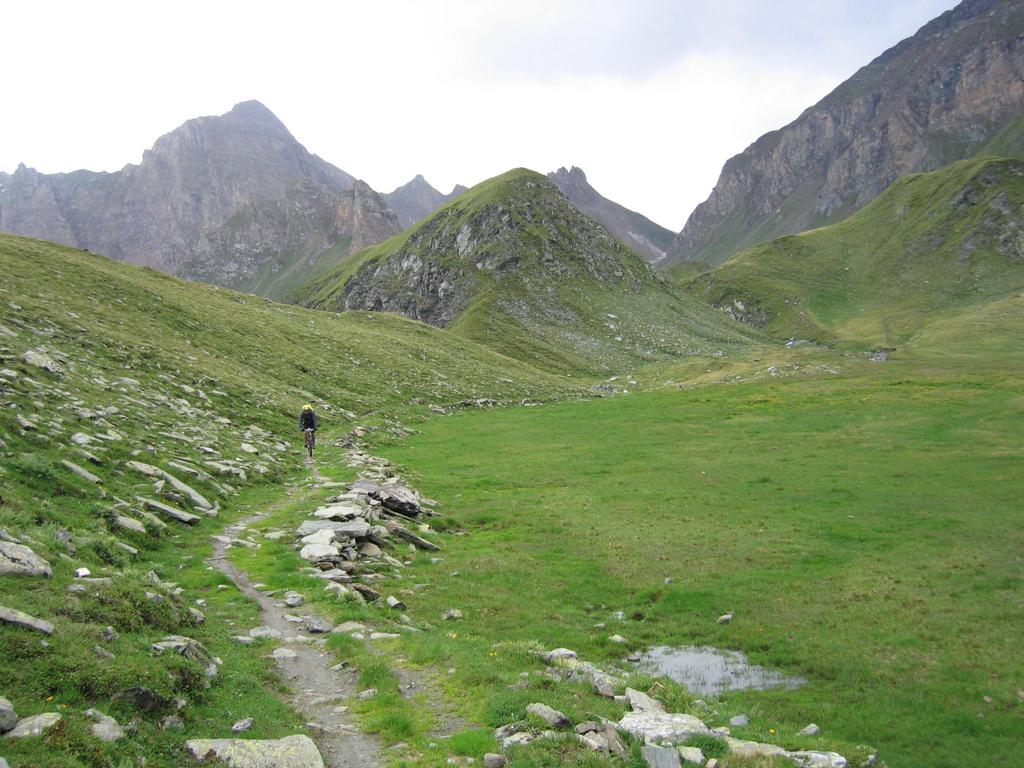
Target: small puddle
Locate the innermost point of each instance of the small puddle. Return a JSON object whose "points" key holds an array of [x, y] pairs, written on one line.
{"points": [[707, 670]]}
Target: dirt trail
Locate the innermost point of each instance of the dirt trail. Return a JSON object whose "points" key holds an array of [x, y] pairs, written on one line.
{"points": [[317, 687]]}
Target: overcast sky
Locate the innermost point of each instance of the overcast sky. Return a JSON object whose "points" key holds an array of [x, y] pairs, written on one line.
{"points": [[649, 97]]}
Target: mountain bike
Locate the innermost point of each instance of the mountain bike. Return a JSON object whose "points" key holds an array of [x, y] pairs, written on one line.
{"points": [[310, 440]]}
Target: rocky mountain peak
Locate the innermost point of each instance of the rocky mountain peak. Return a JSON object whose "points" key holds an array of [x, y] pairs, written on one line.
{"points": [[638, 233], [953, 90], [417, 199]]}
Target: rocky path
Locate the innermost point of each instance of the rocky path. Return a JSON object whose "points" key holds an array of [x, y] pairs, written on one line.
{"points": [[319, 687]]}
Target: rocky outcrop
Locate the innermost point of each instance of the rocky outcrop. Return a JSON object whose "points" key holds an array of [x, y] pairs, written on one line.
{"points": [[266, 241], [648, 240], [417, 199], [954, 89]]}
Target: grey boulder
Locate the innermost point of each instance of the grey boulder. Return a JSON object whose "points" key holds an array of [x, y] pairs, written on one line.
{"points": [[660, 757], [289, 752], [20, 619], [8, 717], [36, 725], [17, 559], [552, 717]]}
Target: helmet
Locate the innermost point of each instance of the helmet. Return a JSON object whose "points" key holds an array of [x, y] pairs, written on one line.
{"points": [[307, 407]]}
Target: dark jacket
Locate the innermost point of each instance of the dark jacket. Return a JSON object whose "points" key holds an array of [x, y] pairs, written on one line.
{"points": [[309, 420]]}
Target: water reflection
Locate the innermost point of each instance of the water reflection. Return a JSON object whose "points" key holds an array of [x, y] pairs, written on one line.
{"points": [[707, 670]]}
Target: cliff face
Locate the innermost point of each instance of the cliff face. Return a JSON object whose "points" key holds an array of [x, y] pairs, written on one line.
{"points": [[648, 240], [953, 90], [417, 199], [227, 199], [266, 246]]}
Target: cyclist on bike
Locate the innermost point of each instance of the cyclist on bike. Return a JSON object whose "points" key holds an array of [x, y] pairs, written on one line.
{"points": [[308, 419]]}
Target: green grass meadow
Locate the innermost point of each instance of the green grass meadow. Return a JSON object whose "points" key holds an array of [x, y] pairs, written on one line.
{"points": [[866, 532]]}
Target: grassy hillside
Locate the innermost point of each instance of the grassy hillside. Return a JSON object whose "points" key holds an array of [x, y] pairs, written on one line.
{"points": [[103, 364], [931, 246], [511, 264]]}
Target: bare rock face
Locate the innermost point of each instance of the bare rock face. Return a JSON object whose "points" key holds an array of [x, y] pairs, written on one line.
{"points": [[266, 240], [648, 240], [417, 199], [953, 90]]}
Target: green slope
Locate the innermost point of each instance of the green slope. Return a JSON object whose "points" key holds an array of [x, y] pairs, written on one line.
{"points": [[177, 375], [513, 265], [931, 247]]}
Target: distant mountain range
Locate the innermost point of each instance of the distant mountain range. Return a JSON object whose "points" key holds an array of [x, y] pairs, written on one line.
{"points": [[953, 90], [416, 200], [651, 241], [237, 201]]}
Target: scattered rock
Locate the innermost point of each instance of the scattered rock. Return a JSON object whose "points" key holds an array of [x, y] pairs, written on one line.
{"points": [[35, 725], [81, 472], [662, 726], [82, 573], [593, 741], [243, 725], [618, 639], [641, 702], [493, 760], [740, 721], [558, 653], [552, 717], [39, 359], [129, 524], [316, 624], [191, 649], [8, 717], [284, 654], [172, 512], [660, 757], [614, 741], [21, 560], [21, 619], [817, 759], [754, 748], [452, 614], [691, 755], [369, 693], [293, 599], [172, 723], [289, 752], [105, 728], [588, 727], [394, 602], [809, 730], [260, 633], [725, 618], [516, 739]]}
